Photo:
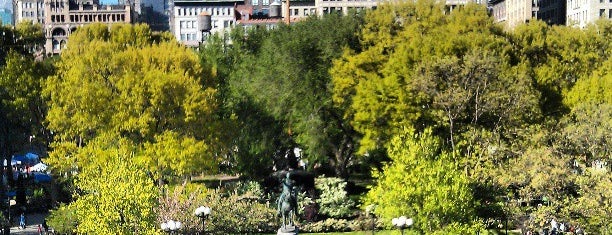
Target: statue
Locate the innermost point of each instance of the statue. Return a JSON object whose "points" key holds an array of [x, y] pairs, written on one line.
{"points": [[287, 204]]}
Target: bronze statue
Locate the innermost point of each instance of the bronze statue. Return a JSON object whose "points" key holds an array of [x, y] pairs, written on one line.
{"points": [[287, 202]]}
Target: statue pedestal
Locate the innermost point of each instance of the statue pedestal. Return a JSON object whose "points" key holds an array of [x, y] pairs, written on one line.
{"points": [[288, 230]]}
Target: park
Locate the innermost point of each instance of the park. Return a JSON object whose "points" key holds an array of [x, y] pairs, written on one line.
{"points": [[407, 119]]}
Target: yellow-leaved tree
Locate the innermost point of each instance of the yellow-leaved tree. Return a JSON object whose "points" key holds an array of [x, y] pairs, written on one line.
{"points": [[131, 83]]}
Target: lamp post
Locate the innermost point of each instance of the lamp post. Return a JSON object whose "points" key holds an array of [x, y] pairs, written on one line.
{"points": [[401, 223], [203, 212], [171, 226]]}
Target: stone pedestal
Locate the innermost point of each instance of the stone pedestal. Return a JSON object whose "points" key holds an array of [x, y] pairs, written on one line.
{"points": [[288, 230]]}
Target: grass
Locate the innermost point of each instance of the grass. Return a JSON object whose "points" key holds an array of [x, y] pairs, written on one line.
{"points": [[397, 232]]}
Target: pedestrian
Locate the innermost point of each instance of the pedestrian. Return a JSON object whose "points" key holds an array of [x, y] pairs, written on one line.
{"points": [[40, 229], [22, 221], [45, 226]]}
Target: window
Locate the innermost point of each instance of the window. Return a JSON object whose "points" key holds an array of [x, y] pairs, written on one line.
{"points": [[183, 37], [602, 12], [188, 37], [255, 2], [182, 23], [265, 2]]}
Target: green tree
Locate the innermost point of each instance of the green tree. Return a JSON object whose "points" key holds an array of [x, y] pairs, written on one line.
{"points": [[424, 182], [382, 88], [288, 78], [22, 109]]}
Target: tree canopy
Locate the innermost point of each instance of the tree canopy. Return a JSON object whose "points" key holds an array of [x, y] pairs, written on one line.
{"points": [[116, 81]]}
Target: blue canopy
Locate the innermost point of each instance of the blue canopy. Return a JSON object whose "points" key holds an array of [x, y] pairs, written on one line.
{"points": [[26, 159], [40, 177]]}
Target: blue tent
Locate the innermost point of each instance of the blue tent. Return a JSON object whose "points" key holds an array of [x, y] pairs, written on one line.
{"points": [[25, 159], [40, 177]]}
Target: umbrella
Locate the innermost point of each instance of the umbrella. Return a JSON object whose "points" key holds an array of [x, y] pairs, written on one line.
{"points": [[41, 177], [40, 167], [27, 159]]}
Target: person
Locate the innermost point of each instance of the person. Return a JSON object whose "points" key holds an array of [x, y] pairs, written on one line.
{"points": [[22, 221], [45, 226], [40, 229]]}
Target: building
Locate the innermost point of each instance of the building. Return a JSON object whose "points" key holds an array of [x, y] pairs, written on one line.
{"points": [[515, 12], [184, 18], [63, 17], [29, 10], [498, 10], [583, 12]]}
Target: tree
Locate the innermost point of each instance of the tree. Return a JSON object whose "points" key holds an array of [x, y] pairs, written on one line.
{"points": [[558, 56], [288, 78], [116, 81], [381, 87], [424, 182], [22, 109], [117, 196]]}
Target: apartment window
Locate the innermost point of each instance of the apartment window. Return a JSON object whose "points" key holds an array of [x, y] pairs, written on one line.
{"points": [[296, 12], [183, 37], [602, 12], [265, 2], [610, 13], [255, 2]]}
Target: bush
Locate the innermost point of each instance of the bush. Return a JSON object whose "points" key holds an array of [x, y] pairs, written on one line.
{"points": [[333, 200], [233, 212], [328, 225], [63, 219]]}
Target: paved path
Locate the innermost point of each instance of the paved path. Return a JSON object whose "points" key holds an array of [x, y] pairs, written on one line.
{"points": [[32, 222]]}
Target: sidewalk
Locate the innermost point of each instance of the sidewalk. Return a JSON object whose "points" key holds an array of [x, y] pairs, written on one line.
{"points": [[32, 222]]}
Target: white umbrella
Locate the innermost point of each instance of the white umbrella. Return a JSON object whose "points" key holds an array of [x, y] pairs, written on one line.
{"points": [[40, 167]]}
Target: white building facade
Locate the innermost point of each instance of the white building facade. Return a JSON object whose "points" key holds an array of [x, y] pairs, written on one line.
{"points": [[184, 19], [29, 10], [580, 13]]}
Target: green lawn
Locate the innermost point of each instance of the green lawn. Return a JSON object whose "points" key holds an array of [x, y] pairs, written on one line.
{"points": [[397, 232]]}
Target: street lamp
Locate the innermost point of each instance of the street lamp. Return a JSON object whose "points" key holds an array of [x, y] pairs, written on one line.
{"points": [[171, 226], [203, 212], [402, 223]]}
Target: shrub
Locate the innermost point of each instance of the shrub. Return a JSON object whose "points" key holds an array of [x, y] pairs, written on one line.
{"points": [[328, 225], [233, 212], [333, 200], [63, 219]]}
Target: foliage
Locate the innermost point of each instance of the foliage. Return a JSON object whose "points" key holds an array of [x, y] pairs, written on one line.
{"points": [[115, 81], [422, 182], [594, 208], [179, 204], [327, 225], [63, 220], [22, 109], [286, 80], [393, 82], [333, 200], [117, 196], [232, 212]]}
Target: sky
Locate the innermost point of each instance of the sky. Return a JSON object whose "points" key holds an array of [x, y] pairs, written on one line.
{"points": [[6, 4], [106, 2]]}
